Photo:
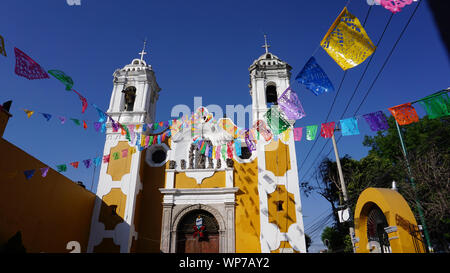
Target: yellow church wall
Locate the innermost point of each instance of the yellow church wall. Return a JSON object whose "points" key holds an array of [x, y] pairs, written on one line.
{"points": [[148, 211], [119, 167], [284, 244], [286, 216], [217, 180], [277, 158], [397, 213], [247, 222], [113, 208], [49, 212]]}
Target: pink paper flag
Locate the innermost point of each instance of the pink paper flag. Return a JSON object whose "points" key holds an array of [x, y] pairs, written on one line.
{"points": [[298, 132], [147, 140], [124, 152], [218, 152], [106, 158], [27, 67]]}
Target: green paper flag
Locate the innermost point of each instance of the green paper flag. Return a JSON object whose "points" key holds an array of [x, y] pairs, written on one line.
{"points": [[275, 121], [76, 121], [66, 80], [311, 132], [436, 106], [61, 168]]}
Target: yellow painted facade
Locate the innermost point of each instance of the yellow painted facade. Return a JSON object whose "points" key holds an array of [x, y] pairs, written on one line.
{"points": [[397, 213], [247, 222], [148, 211], [277, 158], [217, 180], [281, 208], [113, 208], [117, 168]]}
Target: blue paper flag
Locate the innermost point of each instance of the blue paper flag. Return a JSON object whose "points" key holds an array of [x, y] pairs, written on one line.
{"points": [[47, 116], [29, 174], [237, 145], [349, 127], [314, 78], [101, 114], [98, 161]]}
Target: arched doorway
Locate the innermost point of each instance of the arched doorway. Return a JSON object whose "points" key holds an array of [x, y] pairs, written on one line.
{"points": [[198, 232], [376, 233]]}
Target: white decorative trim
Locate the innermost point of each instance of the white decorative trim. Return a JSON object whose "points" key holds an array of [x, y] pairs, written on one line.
{"points": [[199, 175], [198, 196]]}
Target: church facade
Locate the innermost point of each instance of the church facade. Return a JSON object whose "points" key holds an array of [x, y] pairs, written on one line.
{"points": [[171, 197]]}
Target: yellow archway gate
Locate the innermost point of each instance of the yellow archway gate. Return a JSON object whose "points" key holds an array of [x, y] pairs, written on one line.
{"points": [[385, 223]]}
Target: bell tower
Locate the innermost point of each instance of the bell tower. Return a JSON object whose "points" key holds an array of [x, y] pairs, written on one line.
{"points": [[269, 77], [281, 218], [133, 104]]}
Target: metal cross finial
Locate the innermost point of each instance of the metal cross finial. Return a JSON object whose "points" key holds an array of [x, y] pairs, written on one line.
{"points": [[265, 44], [143, 50]]}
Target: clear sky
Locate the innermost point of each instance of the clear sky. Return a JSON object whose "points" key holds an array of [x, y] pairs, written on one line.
{"points": [[201, 48]]}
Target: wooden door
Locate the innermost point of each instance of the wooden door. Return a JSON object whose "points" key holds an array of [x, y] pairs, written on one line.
{"points": [[187, 243], [196, 245]]}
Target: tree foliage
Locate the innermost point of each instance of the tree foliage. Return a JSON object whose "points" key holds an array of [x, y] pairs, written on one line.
{"points": [[427, 143]]}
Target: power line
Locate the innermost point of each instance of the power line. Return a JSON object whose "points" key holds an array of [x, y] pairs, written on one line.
{"points": [[354, 91], [374, 81]]}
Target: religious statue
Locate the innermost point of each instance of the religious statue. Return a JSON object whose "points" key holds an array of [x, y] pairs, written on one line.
{"points": [[130, 96]]}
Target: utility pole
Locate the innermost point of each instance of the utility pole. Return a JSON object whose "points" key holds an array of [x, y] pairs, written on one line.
{"points": [[344, 189]]}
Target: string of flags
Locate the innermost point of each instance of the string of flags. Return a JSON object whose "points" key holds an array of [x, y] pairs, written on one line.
{"points": [[436, 106], [346, 42], [100, 125]]}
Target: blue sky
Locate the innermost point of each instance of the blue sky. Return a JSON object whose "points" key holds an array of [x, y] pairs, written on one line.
{"points": [[201, 48]]}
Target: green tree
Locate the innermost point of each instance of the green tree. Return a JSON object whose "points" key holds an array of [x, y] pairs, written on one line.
{"points": [[427, 143], [428, 152]]}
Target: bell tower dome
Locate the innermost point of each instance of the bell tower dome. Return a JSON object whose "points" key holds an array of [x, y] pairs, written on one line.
{"points": [[135, 92], [269, 77]]}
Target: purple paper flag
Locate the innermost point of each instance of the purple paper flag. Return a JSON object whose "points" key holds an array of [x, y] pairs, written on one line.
{"points": [[44, 171], [87, 163], [290, 104], [62, 119], [377, 121], [249, 142], [97, 125]]}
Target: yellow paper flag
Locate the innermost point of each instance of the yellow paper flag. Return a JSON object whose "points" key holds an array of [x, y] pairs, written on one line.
{"points": [[28, 112], [347, 41], [285, 135]]}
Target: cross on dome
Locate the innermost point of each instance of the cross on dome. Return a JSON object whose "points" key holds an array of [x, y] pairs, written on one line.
{"points": [[266, 46], [143, 50]]}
